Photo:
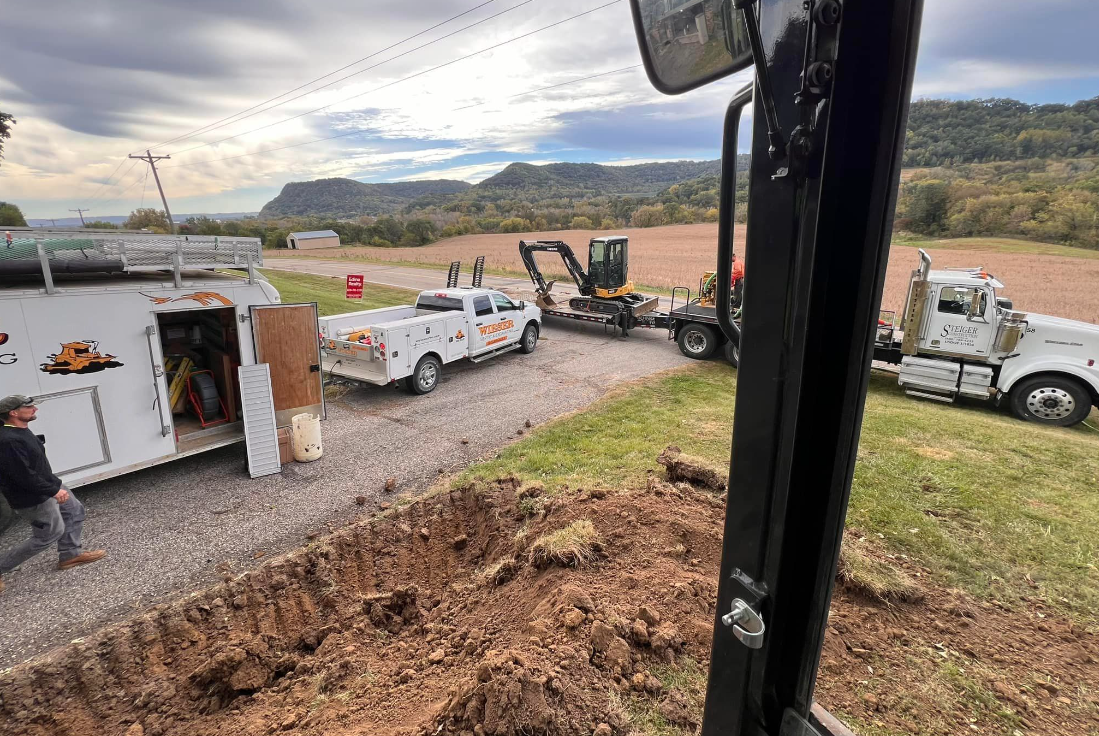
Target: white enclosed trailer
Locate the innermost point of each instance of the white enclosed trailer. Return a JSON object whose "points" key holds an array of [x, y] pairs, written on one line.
{"points": [[96, 328]]}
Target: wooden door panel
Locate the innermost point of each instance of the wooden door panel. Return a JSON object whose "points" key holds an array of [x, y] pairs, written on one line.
{"points": [[285, 337]]}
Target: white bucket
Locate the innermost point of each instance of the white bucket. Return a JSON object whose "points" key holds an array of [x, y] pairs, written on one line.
{"points": [[307, 437]]}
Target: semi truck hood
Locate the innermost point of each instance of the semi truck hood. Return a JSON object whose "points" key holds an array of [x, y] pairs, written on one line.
{"points": [[1060, 335]]}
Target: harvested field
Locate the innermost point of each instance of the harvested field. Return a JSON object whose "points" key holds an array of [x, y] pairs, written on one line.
{"points": [[664, 257], [396, 626]]}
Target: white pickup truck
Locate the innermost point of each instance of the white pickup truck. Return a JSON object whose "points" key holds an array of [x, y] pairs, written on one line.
{"points": [[410, 344]]}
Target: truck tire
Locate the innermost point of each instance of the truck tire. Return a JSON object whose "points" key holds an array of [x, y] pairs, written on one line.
{"points": [[426, 376], [732, 353], [697, 341], [1052, 400], [529, 341], [7, 516]]}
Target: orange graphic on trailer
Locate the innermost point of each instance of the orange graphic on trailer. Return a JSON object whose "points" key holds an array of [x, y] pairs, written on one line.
{"points": [[205, 298], [79, 357], [498, 327]]}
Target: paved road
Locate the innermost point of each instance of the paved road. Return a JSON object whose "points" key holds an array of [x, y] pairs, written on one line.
{"points": [[168, 528], [410, 277]]}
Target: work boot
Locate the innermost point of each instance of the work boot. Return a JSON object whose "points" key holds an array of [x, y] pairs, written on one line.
{"points": [[83, 558]]}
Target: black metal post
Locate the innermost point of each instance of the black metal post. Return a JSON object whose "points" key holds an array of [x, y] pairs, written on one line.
{"points": [[818, 238]]}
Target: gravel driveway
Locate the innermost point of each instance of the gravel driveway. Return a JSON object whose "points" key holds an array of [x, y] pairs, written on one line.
{"points": [[176, 527]]}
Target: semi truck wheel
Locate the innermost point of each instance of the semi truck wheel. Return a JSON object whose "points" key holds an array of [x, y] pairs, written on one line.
{"points": [[426, 376], [530, 339], [732, 353], [1052, 400], [697, 341]]}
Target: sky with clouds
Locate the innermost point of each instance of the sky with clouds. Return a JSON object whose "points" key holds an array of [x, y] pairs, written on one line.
{"points": [[91, 81]]}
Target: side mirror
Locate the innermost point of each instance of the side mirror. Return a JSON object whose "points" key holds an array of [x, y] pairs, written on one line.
{"points": [[976, 304], [687, 44]]}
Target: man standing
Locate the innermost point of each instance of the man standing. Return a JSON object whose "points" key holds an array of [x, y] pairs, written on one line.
{"points": [[36, 494]]}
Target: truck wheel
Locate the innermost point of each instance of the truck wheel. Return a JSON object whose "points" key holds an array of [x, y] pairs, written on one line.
{"points": [[7, 516], [697, 341], [732, 353], [426, 376], [1052, 400], [530, 339]]}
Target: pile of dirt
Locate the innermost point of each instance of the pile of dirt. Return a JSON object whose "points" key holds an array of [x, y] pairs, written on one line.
{"points": [[434, 619]]}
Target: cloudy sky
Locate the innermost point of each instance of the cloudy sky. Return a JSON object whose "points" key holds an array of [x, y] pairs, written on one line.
{"points": [[91, 81]]}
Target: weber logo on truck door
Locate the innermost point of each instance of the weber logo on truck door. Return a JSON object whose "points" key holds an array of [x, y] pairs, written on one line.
{"points": [[498, 327]]}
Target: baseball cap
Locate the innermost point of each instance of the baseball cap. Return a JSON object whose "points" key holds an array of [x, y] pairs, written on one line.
{"points": [[13, 402]]}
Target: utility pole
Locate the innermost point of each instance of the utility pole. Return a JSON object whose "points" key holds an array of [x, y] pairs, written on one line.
{"points": [[81, 213], [151, 160]]}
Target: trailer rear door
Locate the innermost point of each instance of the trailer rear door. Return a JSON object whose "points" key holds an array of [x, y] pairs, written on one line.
{"points": [[286, 338]]}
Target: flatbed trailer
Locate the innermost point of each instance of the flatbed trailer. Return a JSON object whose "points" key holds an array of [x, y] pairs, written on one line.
{"points": [[692, 325]]}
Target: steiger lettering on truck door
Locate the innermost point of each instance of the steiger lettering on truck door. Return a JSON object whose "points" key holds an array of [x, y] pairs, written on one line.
{"points": [[498, 327]]}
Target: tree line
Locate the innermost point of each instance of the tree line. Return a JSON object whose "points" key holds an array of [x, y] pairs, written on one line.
{"points": [[953, 132], [1050, 201]]}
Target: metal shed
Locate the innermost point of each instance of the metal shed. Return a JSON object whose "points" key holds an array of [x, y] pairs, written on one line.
{"points": [[313, 239]]}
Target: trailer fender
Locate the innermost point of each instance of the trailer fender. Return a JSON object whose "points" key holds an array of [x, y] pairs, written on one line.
{"points": [[1051, 365]]}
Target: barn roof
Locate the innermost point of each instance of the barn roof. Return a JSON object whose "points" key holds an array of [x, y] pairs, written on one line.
{"points": [[315, 234]]}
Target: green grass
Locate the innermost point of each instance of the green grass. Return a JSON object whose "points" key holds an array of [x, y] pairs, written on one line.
{"points": [[990, 504], [686, 676], [328, 292], [998, 245]]}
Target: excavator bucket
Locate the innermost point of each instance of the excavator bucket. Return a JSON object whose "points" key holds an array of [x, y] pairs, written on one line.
{"points": [[543, 299]]}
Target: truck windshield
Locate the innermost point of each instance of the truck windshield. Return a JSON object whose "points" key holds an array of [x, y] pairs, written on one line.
{"points": [[436, 303]]}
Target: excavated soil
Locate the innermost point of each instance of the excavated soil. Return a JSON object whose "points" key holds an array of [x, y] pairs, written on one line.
{"points": [[433, 620]]}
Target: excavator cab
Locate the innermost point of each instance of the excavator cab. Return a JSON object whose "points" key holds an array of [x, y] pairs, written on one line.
{"points": [[608, 266]]}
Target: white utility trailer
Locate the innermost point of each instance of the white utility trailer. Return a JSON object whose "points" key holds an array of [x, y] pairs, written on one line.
{"points": [[99, 328], [410, 343]]}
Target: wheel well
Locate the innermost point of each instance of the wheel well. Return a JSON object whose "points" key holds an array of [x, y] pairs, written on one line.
{"points": [[433, 354], [719, 336], [1065, 376], [532, 322]]}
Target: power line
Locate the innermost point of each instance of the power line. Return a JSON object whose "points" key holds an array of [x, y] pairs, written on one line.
{"points": [[411, 76], [207, 128], [356, 132], [116, 168], [553, 86], [119, 196], [341, 79], [143, 188]]}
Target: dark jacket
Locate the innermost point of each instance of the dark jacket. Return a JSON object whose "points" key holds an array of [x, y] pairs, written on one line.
{"points": [[26, 478]]}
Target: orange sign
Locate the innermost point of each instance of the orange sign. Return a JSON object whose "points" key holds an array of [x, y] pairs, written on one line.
{"points": [[498, 327]]}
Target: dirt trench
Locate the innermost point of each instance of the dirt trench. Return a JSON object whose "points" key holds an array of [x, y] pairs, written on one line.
{"points": [[430, 620], [433, 620]]}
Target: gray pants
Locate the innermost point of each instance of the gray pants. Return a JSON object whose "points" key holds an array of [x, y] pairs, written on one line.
{"points": [[51, 523]]}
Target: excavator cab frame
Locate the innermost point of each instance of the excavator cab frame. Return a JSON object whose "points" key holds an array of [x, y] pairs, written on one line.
{"points": [[608, 266]]}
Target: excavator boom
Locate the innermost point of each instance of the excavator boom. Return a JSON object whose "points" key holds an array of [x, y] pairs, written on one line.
{"points": [[527, 249]]}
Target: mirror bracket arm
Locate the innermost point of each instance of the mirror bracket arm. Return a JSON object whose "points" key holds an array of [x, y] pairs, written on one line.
{"points": [[776, 144]]}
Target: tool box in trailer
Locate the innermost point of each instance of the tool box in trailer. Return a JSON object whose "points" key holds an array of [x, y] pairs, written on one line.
{"points": [[131, 346]]}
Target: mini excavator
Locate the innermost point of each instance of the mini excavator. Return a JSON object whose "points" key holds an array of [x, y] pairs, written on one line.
{"points": [[604, 287]]}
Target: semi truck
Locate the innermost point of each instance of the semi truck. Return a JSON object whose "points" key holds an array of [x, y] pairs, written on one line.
{"points": [[409, 344], [957, 337]]}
